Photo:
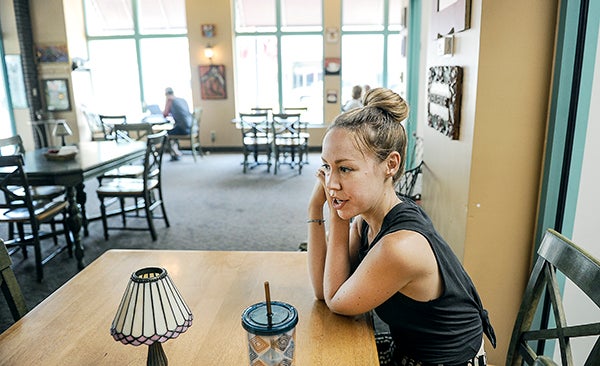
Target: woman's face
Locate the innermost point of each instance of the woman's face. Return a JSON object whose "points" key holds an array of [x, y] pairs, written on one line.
{"points": [[354, 179]]}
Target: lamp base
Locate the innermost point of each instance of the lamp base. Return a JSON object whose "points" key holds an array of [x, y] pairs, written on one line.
{"points": [[156, 355]]}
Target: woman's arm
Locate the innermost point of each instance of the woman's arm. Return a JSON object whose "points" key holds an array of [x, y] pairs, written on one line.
{"points": [[317, 241]]}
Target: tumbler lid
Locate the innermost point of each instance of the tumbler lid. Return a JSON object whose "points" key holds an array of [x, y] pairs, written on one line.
{"points": [[255, 320]]}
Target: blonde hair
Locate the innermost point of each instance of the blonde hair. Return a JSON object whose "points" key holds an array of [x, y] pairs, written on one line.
{"points": [[377, 125]]}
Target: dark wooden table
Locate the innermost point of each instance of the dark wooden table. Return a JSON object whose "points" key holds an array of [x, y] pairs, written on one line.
{"points": [[93, 159]]}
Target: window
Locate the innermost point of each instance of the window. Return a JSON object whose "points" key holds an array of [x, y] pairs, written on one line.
{"points": [[371, 45], [137, 48], [6, 121], [279, 55]]}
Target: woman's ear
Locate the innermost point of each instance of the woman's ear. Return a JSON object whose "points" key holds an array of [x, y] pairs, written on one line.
{"points": [[393, 163]]}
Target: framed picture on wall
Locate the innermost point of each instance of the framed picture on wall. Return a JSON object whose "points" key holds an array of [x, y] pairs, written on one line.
{"points": [[212, 82], [56, 95]]}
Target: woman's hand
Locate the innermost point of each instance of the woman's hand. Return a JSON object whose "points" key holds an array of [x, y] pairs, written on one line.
{"points": [[319, 195]]}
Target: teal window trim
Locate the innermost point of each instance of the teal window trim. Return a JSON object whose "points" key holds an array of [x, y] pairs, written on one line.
{"points": [[385, 32], [137, 37], [559, 111], [561, 108], [278, 34], [412, 70]]}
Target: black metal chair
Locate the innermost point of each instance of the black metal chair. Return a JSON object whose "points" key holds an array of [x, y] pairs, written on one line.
{"points": [[146, 191], [14, 146], [407, 183], [99, 131], [556, 254], [289, 146], [257, 139], [19, 208], [10, 287]]}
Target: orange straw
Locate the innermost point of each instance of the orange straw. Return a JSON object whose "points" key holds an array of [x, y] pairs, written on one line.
{"points": [[268, 301]]}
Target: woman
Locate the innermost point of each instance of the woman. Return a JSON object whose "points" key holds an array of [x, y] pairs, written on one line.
{"points": [[382, 252]]}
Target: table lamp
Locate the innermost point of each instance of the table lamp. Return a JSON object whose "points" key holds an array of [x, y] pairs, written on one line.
{"points": [[61, 129], [152, 311]]}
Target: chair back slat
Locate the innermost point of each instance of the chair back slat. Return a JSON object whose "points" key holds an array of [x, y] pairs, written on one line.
{"points": [[12, 146], [9, 285], [128, 132]]}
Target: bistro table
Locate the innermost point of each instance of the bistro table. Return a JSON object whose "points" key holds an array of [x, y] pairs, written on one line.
{"points": [[72, 326], [93, 159]]}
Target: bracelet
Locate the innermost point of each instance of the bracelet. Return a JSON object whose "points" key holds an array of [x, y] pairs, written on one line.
{"points": [[318, 221]]}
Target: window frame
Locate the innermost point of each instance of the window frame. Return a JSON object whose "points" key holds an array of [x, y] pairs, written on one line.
{"points": [[278, 33]]}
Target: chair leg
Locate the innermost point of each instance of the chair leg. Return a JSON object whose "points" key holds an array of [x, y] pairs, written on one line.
{"points": [[162, 207], [37, 248], [123, 217], [194, 153], [21, 232], [149, 218], [53, 228], [104, 220]]}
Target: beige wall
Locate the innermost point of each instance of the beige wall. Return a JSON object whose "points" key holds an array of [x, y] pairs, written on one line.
{"points": [[482, 189], [48, 20]]}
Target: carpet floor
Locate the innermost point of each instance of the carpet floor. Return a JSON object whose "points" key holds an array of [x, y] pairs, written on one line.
{"points": [[211, 205]]}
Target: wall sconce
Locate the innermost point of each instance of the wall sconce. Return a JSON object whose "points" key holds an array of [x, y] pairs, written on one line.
{"points": [[209, 52]]}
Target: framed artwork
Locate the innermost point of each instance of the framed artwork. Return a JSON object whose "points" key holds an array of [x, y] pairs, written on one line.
{"points": [[52, 53], [208, 30], [212, 82], [333, 65], [444, 92], [56, 95], [449, 17]]}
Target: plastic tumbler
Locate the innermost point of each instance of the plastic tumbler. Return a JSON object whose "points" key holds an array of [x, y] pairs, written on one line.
{"points": [[271, 338]]}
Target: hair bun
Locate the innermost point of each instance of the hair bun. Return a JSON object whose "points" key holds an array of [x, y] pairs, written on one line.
{"points": [[388, 102]]}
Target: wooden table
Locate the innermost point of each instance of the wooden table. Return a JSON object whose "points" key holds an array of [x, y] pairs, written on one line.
{"points": [[71, 327], [94, 158]]}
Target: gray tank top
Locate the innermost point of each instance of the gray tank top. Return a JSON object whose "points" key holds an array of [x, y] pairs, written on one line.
{"points": [[446, 330]]}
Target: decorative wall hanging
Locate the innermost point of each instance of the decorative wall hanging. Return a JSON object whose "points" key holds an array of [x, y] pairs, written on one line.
{"points": [[212, 82], [333, 65], [208, 30], [332, 34], [444, 91], [449, 17], [52, 53]]}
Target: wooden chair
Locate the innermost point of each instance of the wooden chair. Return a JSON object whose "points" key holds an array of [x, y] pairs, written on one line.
{"points": [[128, 132], [289, 146], [556, 254], [20, 209], [146, 191], [108, 122], [257, 139], [193, 137], [99, 130], [302, 126], [14, 146], [10, 286]]}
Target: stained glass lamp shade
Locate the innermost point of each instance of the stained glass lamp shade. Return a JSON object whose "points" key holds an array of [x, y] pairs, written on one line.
{"points": [[152, 311]]}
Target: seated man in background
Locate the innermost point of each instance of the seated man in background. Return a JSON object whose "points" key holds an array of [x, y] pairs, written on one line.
{"points": [[180, 112]]}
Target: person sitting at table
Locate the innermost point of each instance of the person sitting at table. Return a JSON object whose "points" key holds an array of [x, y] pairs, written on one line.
{"points": [[180, 112], [382, 251], [355, 102]]}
